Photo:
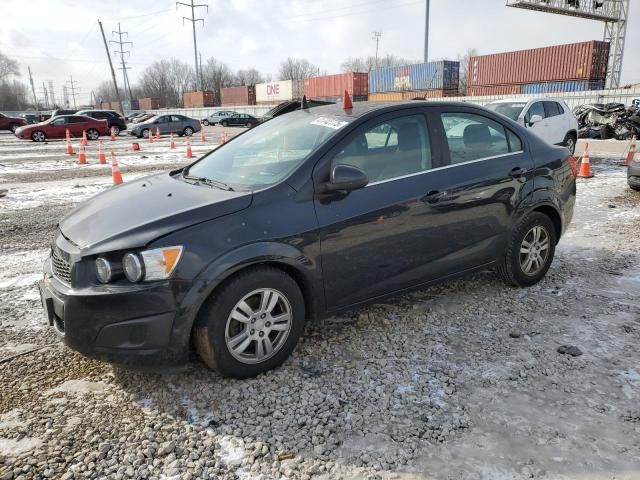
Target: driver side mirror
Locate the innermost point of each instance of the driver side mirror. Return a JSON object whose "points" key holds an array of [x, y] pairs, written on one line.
{"points": [[345, 178], [534, 119]]}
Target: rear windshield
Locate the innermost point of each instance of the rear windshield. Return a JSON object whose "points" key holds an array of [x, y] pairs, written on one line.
{"points": [[268, 153], [511, 110]]}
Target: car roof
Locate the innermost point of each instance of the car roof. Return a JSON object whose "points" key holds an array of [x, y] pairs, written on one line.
{"points": [[527, 100], [363, 108]]}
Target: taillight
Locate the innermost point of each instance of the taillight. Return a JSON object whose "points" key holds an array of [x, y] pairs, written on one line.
{"points": [[573, 164]]}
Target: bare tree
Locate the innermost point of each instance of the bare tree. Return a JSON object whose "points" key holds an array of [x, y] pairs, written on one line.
{"points": [[297, 69], [105, 92], [366, 64], [167, 80], [250, 76], [464, 69], [14, 95], [8, 67], [217, 75]]}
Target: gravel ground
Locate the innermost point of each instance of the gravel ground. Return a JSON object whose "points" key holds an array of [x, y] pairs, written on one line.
{"points": [[458, 381]]}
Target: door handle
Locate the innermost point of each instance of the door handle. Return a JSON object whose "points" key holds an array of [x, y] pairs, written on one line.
{"points": [[432, 197], [518, 172]]}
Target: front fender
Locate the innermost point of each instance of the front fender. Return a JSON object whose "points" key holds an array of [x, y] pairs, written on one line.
{"points": [[291, 257]]}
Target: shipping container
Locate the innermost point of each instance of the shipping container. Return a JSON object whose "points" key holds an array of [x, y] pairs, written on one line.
{"points": [[277, 92], [199, 99], [355, 83], [150, 103], [411, 95], [480, 90], [562, 87], [244, 95], [575, 61], [441, 75]]}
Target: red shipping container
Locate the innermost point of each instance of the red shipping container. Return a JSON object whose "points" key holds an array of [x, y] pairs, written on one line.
{"points": [[575, 61], [244, 95], [150, 103], [198, 99], [478, 90], [356, 83], [410, 95]]}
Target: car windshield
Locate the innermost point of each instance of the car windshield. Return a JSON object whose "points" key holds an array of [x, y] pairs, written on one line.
{"points": [[267, 154], [510, 110]]}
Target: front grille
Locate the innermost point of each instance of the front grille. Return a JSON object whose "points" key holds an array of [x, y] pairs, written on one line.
{"points": [[61, 268]]}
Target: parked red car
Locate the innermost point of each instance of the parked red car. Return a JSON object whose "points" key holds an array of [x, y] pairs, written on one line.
{"points": [[56, 127], [11, 123]]}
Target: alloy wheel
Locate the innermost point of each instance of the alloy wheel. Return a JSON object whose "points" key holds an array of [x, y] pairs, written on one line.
{"points": [[258, 326], [571, 144], [534, 250], [38, 136]]}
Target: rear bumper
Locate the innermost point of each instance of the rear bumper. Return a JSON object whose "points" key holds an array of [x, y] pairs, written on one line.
{"points": [[134, 326]]}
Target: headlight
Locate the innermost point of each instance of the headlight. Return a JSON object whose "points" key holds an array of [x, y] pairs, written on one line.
{"points": [[150, 265], [104, 271]]}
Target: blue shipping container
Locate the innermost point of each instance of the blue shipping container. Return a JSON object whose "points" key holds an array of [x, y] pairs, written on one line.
{"points": [[441, 75], [561, 87]]}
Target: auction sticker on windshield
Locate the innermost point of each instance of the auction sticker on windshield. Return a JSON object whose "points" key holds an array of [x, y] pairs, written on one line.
{"points": [[329, 123]]}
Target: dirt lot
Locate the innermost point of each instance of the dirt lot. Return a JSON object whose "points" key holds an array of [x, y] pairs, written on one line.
{"points": [[459, 381]]}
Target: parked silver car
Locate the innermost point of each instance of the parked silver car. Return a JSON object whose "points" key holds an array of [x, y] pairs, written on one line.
{"points": [[173, 123], [217, 117]]}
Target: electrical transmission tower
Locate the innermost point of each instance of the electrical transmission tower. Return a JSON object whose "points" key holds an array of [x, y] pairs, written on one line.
{"points": [[613, 13], [122, 52], [75, 91], [45, 96], [193, 21], [52, 93], [376, 37]]}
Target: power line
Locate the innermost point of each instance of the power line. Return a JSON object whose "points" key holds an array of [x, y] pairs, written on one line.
{"points": [[193, 21], [122, 53]]}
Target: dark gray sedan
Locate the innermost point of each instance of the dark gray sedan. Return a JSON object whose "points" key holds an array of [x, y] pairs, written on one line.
{"points": [[169, 123]]}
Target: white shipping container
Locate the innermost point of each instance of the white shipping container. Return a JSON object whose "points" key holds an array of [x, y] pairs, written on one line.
{"points": [[274, 92]]}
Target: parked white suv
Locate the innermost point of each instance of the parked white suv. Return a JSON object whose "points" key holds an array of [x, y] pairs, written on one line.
{"points": [[549, 118], [217, 117]]}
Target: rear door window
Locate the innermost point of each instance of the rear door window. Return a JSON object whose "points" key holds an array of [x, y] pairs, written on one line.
{"points": [[552, 109], [473, 137]]}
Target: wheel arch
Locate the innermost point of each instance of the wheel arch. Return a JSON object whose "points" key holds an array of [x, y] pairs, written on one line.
{"points": [[554, 216], [543, 201]]}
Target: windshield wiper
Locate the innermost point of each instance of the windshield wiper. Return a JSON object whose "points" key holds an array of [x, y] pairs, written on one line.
{"points": [[210, 182]]}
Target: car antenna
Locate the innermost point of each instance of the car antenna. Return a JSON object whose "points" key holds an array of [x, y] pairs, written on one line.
{"points": [[346, 101], [303, 103]]}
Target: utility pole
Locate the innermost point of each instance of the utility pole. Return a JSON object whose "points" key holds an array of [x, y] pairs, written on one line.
{"points": [[193, 21], [376, 37], [33, 91], [73, 88], [122, 52], [426, 33], [113, 73], [126, 77]]}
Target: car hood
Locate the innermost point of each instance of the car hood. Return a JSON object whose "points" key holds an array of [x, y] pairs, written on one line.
{"points": [[135, 213]]}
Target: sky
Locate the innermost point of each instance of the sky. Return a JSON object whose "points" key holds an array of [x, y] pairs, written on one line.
{"points": [[62, 40]]}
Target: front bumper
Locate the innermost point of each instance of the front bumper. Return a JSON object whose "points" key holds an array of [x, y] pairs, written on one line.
{"points": [[134, 325]]}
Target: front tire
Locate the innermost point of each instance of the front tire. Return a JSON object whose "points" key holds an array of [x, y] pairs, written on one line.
{"points": [[252, 324], [224, 123], [13, 128], [38, 136], [144, 133], [188, 131], [115, 130], [205, 123], [530, 251]]}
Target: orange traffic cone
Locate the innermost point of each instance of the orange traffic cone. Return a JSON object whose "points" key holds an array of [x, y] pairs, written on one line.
{"points": [[84, 138], [202, 136], [69, 146], [189, 152], [630, 153], [113, 135], [82, 157], [150, 136], [157, 133], [223, 138], [115, 170], [346, 101], [585, 165], [172, 143], [101, 156]]}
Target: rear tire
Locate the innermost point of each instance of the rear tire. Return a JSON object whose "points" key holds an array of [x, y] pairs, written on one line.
{"points": [[570, 142], [250, 125], [217, 328], [205, 123], [188, 131], [224, 123], [115, 130], [513, 265], [13, 128], [144, 133]]}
